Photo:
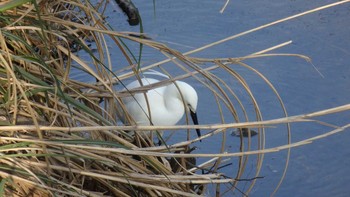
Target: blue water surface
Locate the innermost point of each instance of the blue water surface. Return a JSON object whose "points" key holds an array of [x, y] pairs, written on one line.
{"points": [[317, 169]]}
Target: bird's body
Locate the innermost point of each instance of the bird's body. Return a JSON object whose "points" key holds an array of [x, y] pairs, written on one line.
{"points": [[166, 104]]}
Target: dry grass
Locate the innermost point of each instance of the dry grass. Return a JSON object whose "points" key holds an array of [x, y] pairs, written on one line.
{"points": [[58, 140]]}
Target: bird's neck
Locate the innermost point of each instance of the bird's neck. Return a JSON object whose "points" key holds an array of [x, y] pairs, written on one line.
{"points": [[174, 103]]}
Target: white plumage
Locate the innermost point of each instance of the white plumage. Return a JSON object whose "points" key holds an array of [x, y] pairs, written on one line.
{"points": [[166, 103]]}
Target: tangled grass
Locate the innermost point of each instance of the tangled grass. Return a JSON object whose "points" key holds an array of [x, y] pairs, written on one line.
{"points": [[59, 139]]}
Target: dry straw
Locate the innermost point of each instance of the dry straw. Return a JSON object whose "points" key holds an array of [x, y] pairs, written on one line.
{"points": [[61, 136]]}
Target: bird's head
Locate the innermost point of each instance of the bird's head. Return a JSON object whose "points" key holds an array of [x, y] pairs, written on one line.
{"points": [[190, 99]]}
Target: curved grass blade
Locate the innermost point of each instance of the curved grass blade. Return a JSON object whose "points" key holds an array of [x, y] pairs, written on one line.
{"points": [[12, 4]]}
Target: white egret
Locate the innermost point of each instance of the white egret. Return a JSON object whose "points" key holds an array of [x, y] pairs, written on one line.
{"points": [[166, 104]]}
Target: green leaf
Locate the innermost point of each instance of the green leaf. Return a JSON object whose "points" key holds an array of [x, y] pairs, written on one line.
{"points": [[16, 145], [12, 4], [2, 186], [92, 142]]}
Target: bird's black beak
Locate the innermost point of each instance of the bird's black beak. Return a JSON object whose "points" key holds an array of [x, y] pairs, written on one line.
{"points": [[195, 121]]}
